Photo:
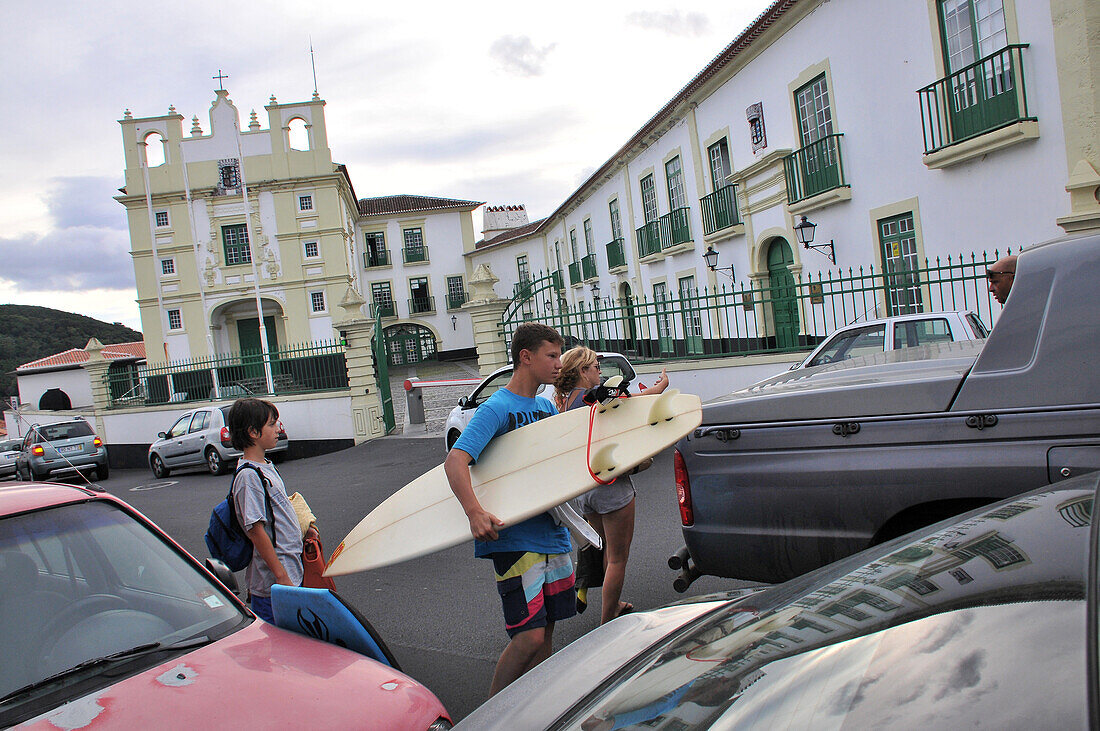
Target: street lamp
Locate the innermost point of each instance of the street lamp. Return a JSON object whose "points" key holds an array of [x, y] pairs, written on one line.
{"points": [[595, 290], [711, 259], [454, 322], [804, 230]]}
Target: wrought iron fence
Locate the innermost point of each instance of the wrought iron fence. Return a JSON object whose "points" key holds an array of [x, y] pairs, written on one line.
{"points": [[755, 317], [310, 367]]}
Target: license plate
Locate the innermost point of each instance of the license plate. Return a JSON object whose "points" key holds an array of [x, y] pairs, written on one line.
{"points": [[70, 449]]}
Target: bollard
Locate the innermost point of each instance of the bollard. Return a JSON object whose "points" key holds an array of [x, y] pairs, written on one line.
{"points": [[414, 402]]}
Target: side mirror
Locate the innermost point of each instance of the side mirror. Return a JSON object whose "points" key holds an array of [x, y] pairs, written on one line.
{"points": [[220, 570], [463, 401], [160, 434]]}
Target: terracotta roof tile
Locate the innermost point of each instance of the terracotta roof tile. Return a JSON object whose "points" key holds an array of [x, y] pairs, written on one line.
{"points": [[76, 356], [510, 235], [407, 203]]}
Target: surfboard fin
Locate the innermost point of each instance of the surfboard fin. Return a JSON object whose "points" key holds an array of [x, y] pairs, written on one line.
{"points": [[607, 393], [603, 461], [662, 408]]}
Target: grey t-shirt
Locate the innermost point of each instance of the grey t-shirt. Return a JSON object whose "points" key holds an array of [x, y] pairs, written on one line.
{"points": [[248, 498]]}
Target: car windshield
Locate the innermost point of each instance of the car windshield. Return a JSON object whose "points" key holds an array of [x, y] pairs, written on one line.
{"points": [[87, 580], [960, 623], [68, 430], [10, 445]]}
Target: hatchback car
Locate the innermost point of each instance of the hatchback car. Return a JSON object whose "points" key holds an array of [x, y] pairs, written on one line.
{"points": [[201, 437], [9, 452], [62, 449], [105, 622], [611, 364], [895, 333], [987, 619]]}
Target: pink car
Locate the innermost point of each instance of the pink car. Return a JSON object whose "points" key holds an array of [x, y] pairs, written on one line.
{"points": [[105, 622]]}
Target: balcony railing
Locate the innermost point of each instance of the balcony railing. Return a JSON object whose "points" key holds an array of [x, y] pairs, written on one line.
{"points": [[575, 273], [521, 289], [385, 309], [421, 304], [675, 229], [556, 279], [980, 98], [616, 254], [456, 300], [720, 210], [649, 239], [376, 258], [588, 266], [814, 169], [411, 256]]}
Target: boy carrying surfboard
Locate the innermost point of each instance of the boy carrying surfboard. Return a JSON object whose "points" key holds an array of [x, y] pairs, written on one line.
{"points": [[533, 568]]}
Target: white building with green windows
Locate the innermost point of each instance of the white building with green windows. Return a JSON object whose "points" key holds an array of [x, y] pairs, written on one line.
{"points": [[903, 133]]}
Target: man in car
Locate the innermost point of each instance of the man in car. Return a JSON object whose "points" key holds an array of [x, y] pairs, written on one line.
{"points": [[1000, 275]]}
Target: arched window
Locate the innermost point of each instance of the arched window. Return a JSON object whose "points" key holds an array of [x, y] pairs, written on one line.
{"points": [[298, 134], [154, 149]]}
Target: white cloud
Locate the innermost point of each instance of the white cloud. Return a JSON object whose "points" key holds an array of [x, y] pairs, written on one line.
{"points": [[671, 22], [519, 55]]}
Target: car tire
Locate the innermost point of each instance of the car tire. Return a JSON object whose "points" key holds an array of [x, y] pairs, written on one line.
{"points": [[157, 465], [452, 437], [102, 471], [214, 462]]}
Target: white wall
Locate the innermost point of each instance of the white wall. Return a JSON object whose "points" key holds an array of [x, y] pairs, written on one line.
{"points": [[74, 382]]}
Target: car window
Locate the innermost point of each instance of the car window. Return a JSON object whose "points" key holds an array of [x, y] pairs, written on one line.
{"points": [[852, 344], [10, 445], [180, 427], [610, 366], [199, 422], [979, 326], [920, 332], [489, 387], [68, 430]]}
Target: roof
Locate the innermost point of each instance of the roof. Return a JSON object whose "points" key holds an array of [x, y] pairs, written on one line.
{"points": [[76, 356], [19, 498], [511, 234], [410, 203]]}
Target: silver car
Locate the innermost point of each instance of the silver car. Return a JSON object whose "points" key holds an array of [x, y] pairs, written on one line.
{"points": [[64, 448], [201, 437], [9, 451]]}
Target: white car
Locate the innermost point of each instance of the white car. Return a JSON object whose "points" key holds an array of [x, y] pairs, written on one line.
{"points": [[895, 333], [611, 364], [9, 450]]}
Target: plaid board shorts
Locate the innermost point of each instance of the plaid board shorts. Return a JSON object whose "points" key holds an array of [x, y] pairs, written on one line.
{"points": [[535, 588]]}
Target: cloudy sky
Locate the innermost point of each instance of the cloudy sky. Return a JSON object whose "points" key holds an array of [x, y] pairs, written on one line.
{"points": [[499, 102]]}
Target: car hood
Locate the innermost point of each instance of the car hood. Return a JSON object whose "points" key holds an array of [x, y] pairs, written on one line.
{"points": [[259, 677], [911, 380], [978, 619]]}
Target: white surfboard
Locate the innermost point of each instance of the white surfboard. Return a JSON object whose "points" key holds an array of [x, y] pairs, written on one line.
{"points": [[520, 474]]}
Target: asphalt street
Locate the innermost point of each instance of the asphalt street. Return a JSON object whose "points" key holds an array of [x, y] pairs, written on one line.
{"points": [[440, 614]]}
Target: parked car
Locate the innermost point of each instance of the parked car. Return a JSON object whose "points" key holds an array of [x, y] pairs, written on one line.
{"points": [[611, 364], [982, 620], [107, 623], [818, 463], [9, 452], [64, 448], [895, 333], [201, 437]]}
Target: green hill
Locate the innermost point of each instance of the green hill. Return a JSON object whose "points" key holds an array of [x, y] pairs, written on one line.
{"points": [[28, 333]]}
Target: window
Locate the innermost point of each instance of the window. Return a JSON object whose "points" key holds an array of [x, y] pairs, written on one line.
{"points": [[616, 219], [900, 264], [414, 245], [317, 301], [382, 298], [175, 320], [674, 176], [524, 268], [456, 295], [588, 245], [818, 162], [162, 219], [815, 116], [920, 332], [972, 29], [557, 254], [693, 322], [312, 251], [167, 266], [229, 173], [649, 199], [376, 254], [305, 203], [181, 426], [852, 344], [199, 422], [757, 136], [235, 243], [421, 299], [573, 244], [719, 156], [660, 299]]}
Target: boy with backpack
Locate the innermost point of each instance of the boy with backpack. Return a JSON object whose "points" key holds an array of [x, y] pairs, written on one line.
{"points": [[262, 505]]}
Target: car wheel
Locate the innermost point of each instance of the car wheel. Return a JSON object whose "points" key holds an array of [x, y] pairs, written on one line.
{"points": [[157, 464], [214, 461], [102, 471], [452, 437]]}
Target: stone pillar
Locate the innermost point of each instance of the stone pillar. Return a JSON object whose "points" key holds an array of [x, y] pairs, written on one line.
{"points": [[1077, 55], [357, 330], [97, 367], [485, 310]]}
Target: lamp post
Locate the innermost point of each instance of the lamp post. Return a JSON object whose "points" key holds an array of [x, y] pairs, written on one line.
{"points": [[596, 313], [804, 230], [454, 322], [711, 260]]}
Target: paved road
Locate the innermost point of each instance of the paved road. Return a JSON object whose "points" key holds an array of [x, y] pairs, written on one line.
{"points": [[439, 614]]}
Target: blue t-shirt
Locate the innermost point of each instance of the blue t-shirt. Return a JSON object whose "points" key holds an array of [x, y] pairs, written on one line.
{"points": [[501, 413]]}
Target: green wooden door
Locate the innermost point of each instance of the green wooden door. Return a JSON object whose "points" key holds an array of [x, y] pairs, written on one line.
{"points": [[981, 82], [248, 335], [382, 373], [783, 295]]}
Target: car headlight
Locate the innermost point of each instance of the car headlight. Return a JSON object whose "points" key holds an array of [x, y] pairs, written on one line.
{"points": [[441, 724]]}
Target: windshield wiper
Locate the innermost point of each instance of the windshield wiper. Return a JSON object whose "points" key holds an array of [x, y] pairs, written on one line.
{"points": [[114, 657]]}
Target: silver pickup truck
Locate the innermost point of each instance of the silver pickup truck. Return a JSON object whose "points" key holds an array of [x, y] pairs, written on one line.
{"points": [[813, 465]]}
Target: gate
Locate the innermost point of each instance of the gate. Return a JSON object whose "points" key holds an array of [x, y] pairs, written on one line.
{"points": [[409, 344], [382, 373]]}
